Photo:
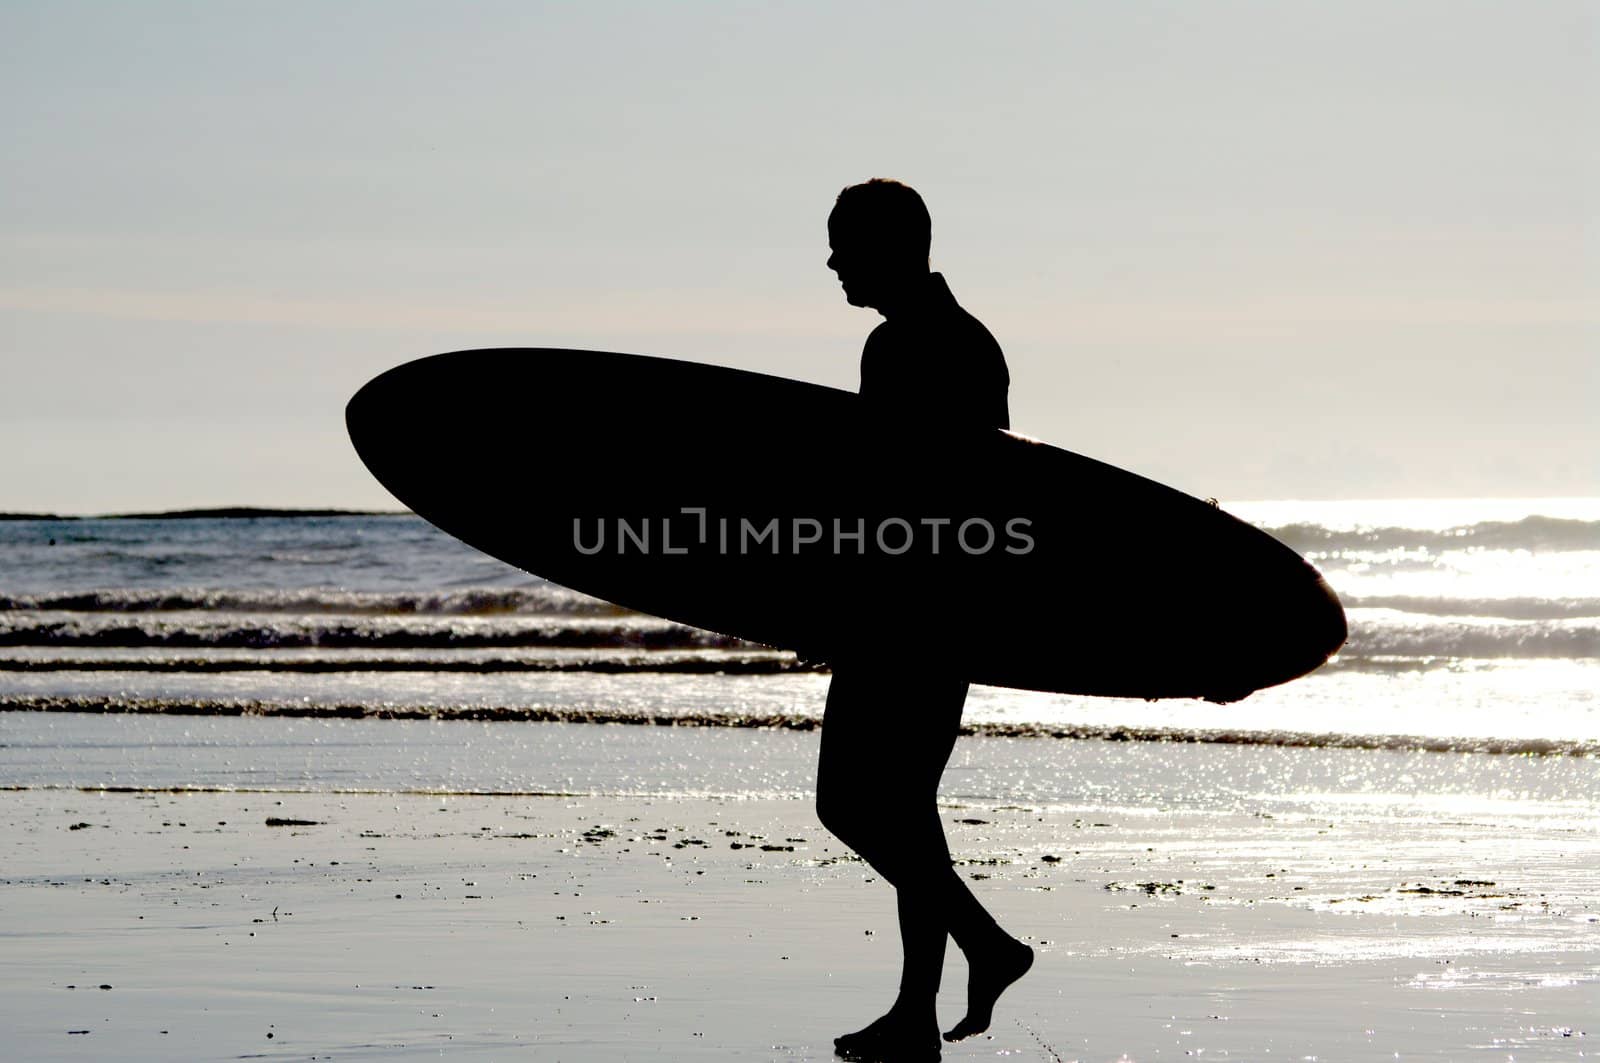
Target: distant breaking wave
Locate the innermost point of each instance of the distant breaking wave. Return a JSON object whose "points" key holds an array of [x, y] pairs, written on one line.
{"points": [[1506, 608], [802, 722], [1455, 640], [377, 633], [1529, 533], [542, 600], [604, 661]]}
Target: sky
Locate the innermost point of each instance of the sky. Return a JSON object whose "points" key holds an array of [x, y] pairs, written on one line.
{"points": [[1251, 249]]}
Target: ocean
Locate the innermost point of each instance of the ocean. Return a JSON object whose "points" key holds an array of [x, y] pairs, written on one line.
{"points": [[1475, 627]]}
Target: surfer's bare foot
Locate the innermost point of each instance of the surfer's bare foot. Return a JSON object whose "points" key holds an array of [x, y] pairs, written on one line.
{"points": [[894, 1038], [988, 975]]}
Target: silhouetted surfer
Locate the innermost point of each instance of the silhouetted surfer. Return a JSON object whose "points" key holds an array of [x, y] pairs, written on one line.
{"points": [[890, 726]]}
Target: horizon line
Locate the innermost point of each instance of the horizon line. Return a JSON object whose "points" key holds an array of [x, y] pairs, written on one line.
{"points": [[238, 512]]}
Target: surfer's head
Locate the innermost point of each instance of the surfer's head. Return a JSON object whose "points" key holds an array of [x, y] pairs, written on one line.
{"points": [[879, 233]]}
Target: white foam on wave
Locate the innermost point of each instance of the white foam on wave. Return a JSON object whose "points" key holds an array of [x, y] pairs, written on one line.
{"points": [[537, 600]]}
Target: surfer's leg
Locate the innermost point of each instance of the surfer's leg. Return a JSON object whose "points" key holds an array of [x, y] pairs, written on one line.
{"points": [[886, 740], [994, 958], [875, 792], [933, 899]]}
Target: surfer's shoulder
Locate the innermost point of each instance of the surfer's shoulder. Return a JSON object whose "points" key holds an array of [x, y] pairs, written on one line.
{"points": [[883, 338], [979, 343]]}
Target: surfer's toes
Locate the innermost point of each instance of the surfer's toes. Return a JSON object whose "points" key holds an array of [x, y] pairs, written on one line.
{"points": [[967, 1027], [990, 975]]}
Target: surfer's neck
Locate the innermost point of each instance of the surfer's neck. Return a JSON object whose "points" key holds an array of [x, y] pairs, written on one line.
{"points": [[915, 291]]}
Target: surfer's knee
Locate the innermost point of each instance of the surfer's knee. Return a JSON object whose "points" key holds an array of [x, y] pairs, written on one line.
{"points": [[853, 813], [861, 817], [837, 809]]}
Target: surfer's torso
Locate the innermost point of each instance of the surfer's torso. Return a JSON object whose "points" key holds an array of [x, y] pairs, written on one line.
{"points": [[934, 361]]}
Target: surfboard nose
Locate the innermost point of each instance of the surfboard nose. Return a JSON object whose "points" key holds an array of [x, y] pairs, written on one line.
{"points": [[1310, 628], [1329, 622], [1294, 626]]}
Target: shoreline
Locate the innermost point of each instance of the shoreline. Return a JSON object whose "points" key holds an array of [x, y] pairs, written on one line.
{"points": [[542, 714]]}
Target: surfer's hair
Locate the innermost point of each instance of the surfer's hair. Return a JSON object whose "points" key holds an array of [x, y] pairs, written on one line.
{"points": [[893, 209]]}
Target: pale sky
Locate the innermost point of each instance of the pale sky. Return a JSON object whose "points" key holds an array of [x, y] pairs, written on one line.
{"points": [[1254, 250]]}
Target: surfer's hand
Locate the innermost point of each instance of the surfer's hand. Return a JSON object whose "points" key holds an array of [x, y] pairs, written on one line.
{"points": [[806, 659]]}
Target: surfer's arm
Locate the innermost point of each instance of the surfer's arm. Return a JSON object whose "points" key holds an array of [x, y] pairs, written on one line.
{"points": [[872, 360]]}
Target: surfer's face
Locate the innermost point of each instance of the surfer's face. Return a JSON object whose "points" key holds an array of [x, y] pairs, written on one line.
{"points": [[859, 261], [842, 259]]}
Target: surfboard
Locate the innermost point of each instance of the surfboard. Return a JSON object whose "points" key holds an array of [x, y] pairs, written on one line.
{"points": [[798, 516]]}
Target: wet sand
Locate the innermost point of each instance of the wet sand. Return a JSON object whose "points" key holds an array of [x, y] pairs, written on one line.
{"points": [[161, 925]]}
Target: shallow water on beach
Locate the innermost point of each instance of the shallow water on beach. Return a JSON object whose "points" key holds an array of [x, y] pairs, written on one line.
{"points": [[321, 755], [1184, 899]]}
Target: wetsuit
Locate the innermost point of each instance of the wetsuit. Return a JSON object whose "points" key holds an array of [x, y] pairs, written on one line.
{"points": [[935, 361]]}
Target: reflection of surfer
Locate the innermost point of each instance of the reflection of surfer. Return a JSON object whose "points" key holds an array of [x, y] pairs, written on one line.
{"points": [[888, 730]]}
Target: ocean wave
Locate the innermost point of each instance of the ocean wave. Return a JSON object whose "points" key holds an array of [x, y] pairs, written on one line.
{"points": [[706, 662], [209, 630], [1459, 639], [541, 600], [1373, 633], [602, 660], [803, 722], [1503, 608], [1530, 533]]}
